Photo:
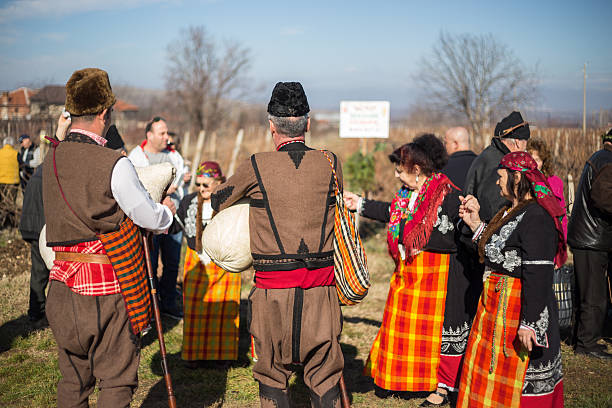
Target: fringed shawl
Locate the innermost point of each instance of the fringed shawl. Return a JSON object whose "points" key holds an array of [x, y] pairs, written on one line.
{"points": [[419, 222]]}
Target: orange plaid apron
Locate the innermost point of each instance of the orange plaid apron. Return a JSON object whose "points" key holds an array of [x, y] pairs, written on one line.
{"points": [[126, 253], [211, 306], [406, 352], [494, 366]]}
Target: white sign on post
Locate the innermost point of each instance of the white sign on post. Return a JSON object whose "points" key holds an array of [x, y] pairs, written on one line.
{"points": [[364, 119]]}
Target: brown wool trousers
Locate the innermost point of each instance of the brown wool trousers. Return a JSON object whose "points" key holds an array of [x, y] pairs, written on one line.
{"points": [[297, 326], [94, 341]]}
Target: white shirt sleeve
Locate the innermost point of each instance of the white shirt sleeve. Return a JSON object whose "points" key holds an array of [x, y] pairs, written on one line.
{"points": [[135, 201], [36, 160]]}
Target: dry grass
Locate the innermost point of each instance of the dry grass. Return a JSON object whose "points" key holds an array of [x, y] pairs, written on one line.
{"points": [[29, 373]]}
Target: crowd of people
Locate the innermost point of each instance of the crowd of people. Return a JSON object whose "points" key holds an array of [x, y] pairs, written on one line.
{"points": [[475, 239]]}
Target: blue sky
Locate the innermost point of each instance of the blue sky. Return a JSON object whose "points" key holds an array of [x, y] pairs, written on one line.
{"points": [[337, 49]]}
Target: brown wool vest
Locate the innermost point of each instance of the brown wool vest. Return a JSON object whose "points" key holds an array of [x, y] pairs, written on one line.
{"points": [[297, 204], [84, 172]]}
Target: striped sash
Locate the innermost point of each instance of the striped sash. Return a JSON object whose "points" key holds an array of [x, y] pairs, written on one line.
{"points": [[125, 252]]}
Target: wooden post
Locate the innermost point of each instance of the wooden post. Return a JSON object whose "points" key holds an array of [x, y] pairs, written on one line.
{"points": [[196, 161], [599, 143], [364, 146], [213, 146], [185, 145], [570, 194], [265, 140], [237, 145], [364, 151], [584, 101], [557, 143]]}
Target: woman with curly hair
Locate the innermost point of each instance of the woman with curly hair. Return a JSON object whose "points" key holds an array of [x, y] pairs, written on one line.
{"points": [[427, 317], [540, 152]]}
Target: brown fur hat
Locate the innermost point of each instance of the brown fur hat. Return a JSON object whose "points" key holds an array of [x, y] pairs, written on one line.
{"points": [[88, 92]]}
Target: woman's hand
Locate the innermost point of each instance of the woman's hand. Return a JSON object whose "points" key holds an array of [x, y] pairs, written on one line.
{"points": [[527, 338], [468, 211], [351, 200]]}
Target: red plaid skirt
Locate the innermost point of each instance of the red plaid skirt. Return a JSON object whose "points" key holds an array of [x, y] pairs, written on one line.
{"points": [[406, 352], [495, 364]]}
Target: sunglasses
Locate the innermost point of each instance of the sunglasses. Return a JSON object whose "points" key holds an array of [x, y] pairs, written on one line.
{"points": [[205, 185], [154, 120]]}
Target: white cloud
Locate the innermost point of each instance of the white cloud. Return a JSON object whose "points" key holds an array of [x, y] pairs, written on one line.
{"points": [[26, 9]]}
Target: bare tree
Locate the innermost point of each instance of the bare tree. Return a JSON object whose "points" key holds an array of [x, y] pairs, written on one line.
{"points": [[202, 73], [476, 76]]}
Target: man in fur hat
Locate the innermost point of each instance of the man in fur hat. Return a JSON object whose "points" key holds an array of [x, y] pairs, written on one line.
{"points": [[93, 201], [295, 315]]}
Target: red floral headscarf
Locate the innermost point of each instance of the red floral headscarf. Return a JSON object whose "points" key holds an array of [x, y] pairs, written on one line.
{"points": [[523, 162], [209, 169]]}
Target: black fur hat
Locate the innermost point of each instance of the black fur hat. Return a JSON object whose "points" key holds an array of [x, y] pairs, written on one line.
{"points": [[513, 126], [288, 100]]}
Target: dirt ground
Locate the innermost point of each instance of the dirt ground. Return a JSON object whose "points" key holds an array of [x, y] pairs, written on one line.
{"points": [[14, 253]]}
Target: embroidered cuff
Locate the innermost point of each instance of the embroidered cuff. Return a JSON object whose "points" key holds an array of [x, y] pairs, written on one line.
{"points": [[360, 205], [541, 341], [539, 328], [478, 231]]}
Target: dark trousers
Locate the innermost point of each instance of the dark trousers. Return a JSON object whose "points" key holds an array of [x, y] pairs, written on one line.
{"points": [[170, 247], [39, 277], [591, 268], [94, 341]]}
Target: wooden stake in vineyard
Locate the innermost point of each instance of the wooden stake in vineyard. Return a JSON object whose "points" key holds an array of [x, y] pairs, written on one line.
{"points": [[196, 160], [185, 145], [570, 194], [584, 101], [237, 145]]}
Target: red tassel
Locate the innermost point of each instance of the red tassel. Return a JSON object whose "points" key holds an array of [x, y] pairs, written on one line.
{"points": [[51, 140]]}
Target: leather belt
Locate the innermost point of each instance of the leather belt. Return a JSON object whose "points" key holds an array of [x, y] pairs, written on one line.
{"points": [[81, 257]]}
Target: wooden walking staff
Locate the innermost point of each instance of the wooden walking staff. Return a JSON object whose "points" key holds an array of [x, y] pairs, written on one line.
{"points": [[160, 333], [344, 398]]}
